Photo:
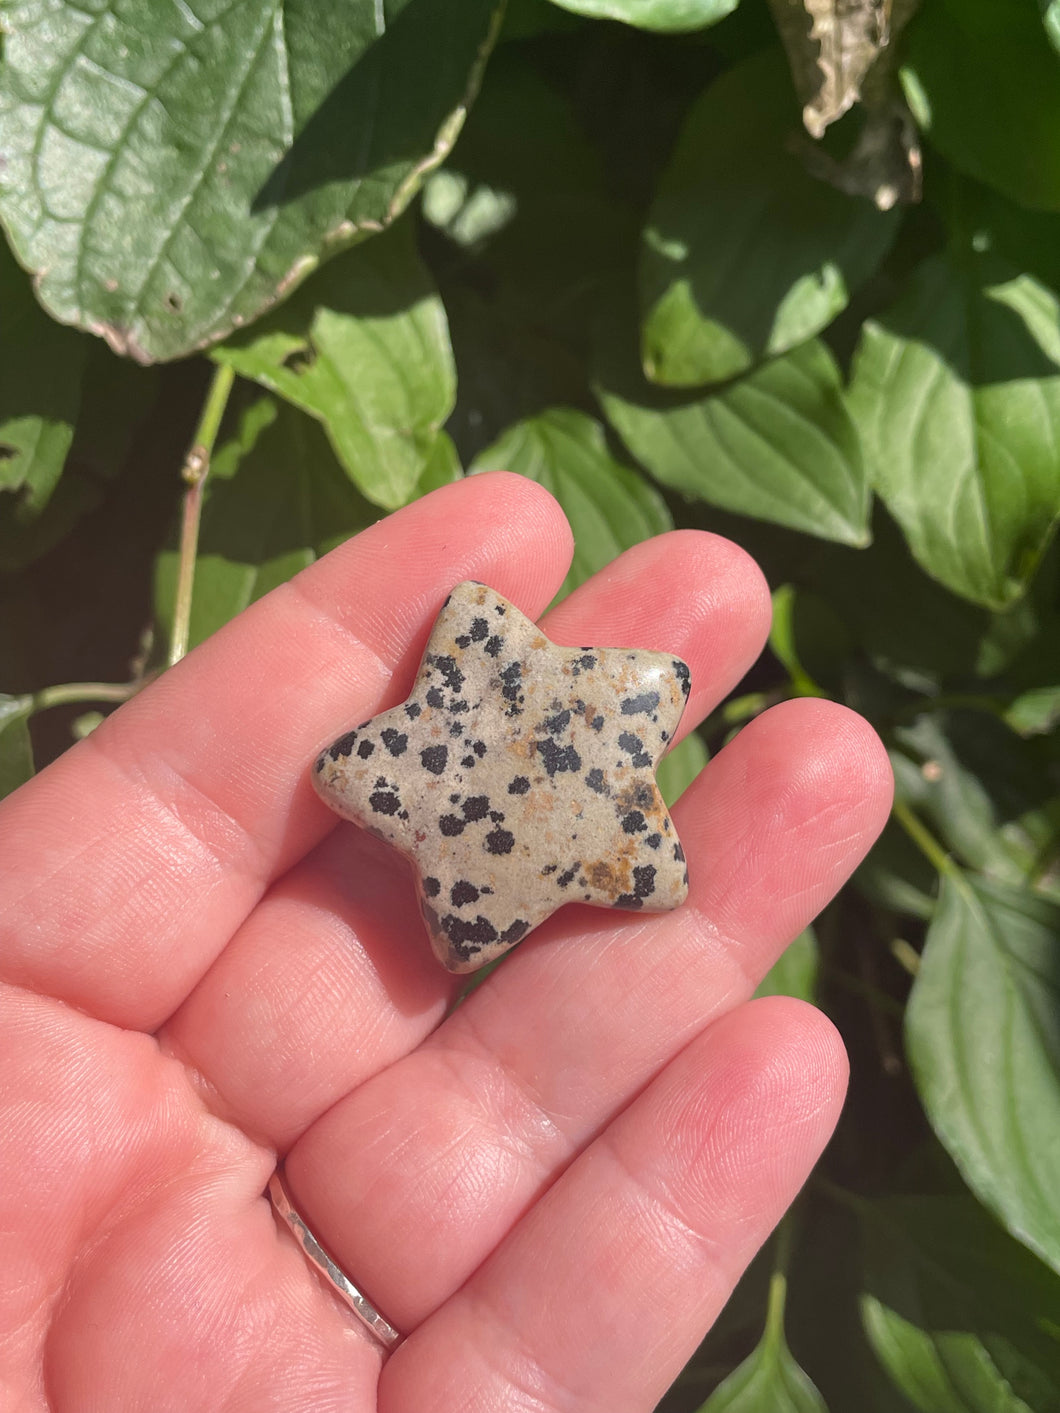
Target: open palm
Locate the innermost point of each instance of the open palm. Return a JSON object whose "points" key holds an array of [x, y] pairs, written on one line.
{"points": [[552, 1191]]}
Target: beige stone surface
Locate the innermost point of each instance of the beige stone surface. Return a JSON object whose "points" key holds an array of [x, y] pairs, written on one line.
{"points": [[518, 776]]}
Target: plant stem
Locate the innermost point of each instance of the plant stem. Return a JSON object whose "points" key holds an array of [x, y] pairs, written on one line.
{"points": [[925, 841], [194, 473], [907, 957], [778, 1284], [68, 692]]}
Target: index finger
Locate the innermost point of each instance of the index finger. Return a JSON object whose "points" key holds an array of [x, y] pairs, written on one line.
{"points": [[129, 862]]}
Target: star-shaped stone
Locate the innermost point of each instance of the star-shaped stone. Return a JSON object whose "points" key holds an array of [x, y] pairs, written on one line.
{"points": [[518, 776]]}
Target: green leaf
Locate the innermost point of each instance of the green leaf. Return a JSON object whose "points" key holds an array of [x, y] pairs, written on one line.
{"points": [[115, 397], [364, 348], [776, 444], [783, 640], [16, 749], [957, 394], [172, 172], [1035, 712], [745, 254], [959, 50], [982, 789], [680, 767], [41, 369], [276, 500], [913, 629], [960, 1315], [1051, 19], [769, 1378], [669, 16], [795, 971], [610, 507], [983, 1038]]}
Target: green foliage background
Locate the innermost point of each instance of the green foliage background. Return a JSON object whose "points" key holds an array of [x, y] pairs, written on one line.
{"points": [[597, 245]]}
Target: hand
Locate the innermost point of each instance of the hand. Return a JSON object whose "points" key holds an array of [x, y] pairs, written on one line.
{"points": [[553, 1191]]}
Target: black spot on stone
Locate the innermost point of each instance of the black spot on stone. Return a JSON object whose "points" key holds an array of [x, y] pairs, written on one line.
{"points": [[459, 706], [642, 705], [548, 868], [683, 676], [321, 762], [644, 880], [384, 802], [412, 710], [396, 742], [462, 893], [454, 799], [434, 758], [634, 822], [663, 735], [519, 785], [435, 698], [500, 608], [446, 667], [456, 729], [463, 641], [558, 758], [431, 887], [468, 761], [679, 854], [477, 807], [500, 841], [497, 816], [555, 724], [403, 815], [515, 932], [451, 825], [493, 646], [567, 876], [467, 936], [597, 723], [628, 900], [634, 747], [653, 841], [511, 676], [479, 629], [382, 783], [587, 661], [365, 749], [595, 781], [343, 746], [479, 747]]}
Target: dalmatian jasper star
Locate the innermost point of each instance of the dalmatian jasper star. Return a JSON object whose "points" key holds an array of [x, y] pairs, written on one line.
{"points": [[518, 776]]}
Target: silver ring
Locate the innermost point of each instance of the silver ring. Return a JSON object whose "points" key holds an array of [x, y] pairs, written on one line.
{"points": [[339, 1281]]}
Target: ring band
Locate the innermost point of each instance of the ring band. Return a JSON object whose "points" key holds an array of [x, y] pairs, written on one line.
{"points": [[340, 1283]]}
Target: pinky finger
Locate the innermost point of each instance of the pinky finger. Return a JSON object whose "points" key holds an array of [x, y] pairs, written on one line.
{"points": [[602, 1292]]}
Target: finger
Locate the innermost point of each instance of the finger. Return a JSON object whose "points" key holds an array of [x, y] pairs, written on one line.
{"points": [[330, 978], [416, 1176], [602, 1292], [130, 861]]}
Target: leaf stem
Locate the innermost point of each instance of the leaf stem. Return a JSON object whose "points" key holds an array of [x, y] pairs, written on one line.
{"points": [[67, 692], [778, 1284], [194, 473], [925, 841]]}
